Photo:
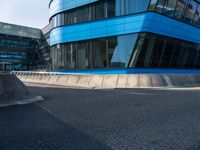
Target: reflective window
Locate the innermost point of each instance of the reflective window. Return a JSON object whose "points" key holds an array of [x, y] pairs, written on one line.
{"points": [[71, 56], [99, 10], [160, 5], [136, 6], [111, 9], [190, 11], [167, 53], [100, 56], [123, 49], [180, 9], [169, 7], [176, 54], [143, 51], [196, 21], [118, 8], [157, 52], [185, 10], [197, 59], [152, 5], [83, 56]]}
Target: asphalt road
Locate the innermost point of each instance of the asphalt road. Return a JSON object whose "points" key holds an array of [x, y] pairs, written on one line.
{"points": [[73, 119]]}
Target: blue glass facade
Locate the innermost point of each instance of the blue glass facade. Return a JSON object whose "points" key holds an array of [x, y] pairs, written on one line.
{"points": [[97, 34]]}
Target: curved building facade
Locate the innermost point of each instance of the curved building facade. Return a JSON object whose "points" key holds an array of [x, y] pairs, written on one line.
{"points": [[98, 34]]}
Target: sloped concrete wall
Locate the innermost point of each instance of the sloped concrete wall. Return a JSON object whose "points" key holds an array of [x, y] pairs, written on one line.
{"points": [[117, 81], [12, 90]]}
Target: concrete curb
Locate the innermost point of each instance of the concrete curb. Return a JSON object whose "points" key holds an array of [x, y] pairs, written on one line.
{"points": [[23, 102]]}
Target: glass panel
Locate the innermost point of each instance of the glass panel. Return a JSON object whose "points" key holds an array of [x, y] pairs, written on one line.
{"points": [[173, 63], [111, 8], [82, 14], [138, 6], [189, 56], [160, 6], [197, 17], [143, 51], [127, 6], [118, 7], [71, 56], [83, 55], [100, 10], [197, 60], [157, 52], [122, 8], [122, 48], [169, 7], [190, 12], [99, 50], [152, 5], [70, 17], [180, 9], [167, 53], [65, 18]]}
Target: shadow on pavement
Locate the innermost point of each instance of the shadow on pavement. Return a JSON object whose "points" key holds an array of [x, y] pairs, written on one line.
{"points": [[30, 127]]}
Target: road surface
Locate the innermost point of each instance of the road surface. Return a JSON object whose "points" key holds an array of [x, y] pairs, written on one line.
{"points": [[121, 119]]}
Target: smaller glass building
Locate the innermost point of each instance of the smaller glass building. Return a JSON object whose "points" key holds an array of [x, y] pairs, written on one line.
{"points": [[20, 47]]}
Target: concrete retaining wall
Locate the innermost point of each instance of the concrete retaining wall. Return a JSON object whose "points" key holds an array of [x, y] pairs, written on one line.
{"points": [[116, 81]]}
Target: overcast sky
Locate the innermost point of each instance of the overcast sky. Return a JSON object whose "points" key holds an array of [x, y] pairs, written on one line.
{"points": [[32, 13]]}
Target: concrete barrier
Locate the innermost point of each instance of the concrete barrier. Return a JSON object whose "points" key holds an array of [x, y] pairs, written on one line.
{"points": [[114, 81], [72, 80], [53, 79], [133, 81], [122, 81], [45, 78], [96, 80], [158, 81], [84, 80], [110, 81], [62, 80], [145, 81]]}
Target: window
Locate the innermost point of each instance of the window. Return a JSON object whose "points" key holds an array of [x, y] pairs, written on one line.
{"points": [[176, 54], [143, 51], [197, 17], [160, 6], [169, 7], [100, 12], [197, 60], [167, 53], [157, 52], [180, 9], [152, 5], [118, 8], [83, 55], [111, 8], [122, 48], [99, 51], [138, 6], [82, 15], [71, 55], [190, 11]]}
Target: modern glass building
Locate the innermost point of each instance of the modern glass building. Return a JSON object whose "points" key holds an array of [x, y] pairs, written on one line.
{"points": [[22, 48], [96, 34]]}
